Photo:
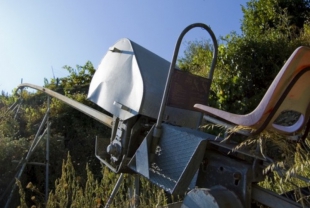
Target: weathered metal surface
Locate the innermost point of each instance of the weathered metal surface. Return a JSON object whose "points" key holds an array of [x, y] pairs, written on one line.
{"points": [[216, 197], [171, 71], [142, 165], [243, 150], [173, 205], [272, 199], [176, 160], [235, 175], [101, 152], [187, 89], [130, 81]]}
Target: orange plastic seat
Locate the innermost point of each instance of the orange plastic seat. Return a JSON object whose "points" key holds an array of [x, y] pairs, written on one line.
{"points": [[290, 91]]}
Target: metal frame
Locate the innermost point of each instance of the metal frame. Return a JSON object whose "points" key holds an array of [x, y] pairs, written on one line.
{"points": [[97, 115], [237, 176], [24, 161], [172, 67]]}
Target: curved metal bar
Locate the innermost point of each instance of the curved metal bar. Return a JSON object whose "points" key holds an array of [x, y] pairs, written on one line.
{"points": [[173, 63], [97, 115]]}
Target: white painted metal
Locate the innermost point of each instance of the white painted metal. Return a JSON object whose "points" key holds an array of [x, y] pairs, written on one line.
{"points": [[101, 117], [130, 80], [297, 98]]}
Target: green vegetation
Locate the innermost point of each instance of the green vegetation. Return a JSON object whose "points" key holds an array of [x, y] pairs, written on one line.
{"points": [[73, 191], [71, 131], [247, 64]]}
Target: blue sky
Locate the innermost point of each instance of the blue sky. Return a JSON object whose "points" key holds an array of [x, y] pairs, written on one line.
{"points": [[37, 38]]}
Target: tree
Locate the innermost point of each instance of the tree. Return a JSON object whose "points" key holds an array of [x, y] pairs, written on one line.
{"points": [[78, 80], [70, 129], [260, 16], [248, 63]]}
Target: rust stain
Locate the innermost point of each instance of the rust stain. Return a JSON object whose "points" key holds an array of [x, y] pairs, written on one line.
{"points": [[299, 69], [268, 111]]}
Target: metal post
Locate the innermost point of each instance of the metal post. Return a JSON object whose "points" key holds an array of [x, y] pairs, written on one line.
{"points": [[134, 192], [116, 187], [18, 105], [137, 191], [47, 156]]}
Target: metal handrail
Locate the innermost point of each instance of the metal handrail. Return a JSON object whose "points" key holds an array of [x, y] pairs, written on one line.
{"points": [[157, 130]]}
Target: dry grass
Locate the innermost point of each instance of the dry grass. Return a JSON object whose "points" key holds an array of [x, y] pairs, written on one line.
{"points": [[287, 161]]}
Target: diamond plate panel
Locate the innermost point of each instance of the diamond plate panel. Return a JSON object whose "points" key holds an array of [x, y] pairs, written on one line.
{"points": [[178, 155]]}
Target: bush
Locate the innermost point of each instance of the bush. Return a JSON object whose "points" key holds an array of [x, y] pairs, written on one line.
{"points": [[74, 191]]}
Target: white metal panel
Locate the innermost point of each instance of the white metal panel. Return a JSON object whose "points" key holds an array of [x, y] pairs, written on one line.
{"points": [[118, 83], [130, 80]]}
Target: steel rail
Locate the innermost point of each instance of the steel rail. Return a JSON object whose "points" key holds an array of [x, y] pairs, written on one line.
{"points": [[272, 199], [97, 115]]}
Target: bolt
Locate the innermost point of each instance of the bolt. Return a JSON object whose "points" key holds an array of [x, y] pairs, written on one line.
{"points": [[237, 176]]}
